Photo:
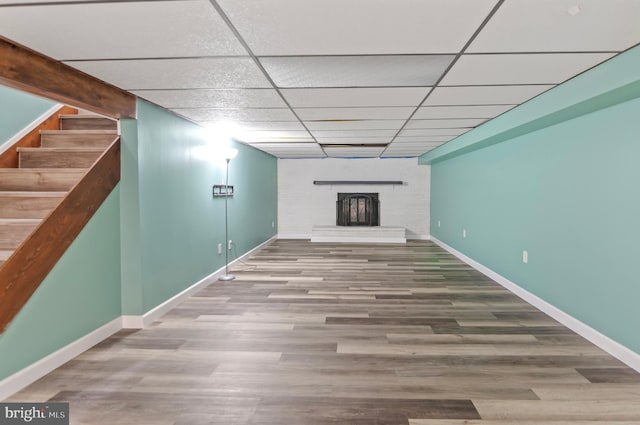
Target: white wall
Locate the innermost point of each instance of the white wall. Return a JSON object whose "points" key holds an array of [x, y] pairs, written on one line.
{"points": [[301, 204]]}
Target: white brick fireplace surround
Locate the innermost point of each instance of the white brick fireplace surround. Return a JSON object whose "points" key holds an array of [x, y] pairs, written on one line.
{"points": [[302, 205]]}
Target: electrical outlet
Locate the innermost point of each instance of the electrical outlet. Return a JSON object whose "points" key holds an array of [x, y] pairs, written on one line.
{"points": [[438, 223], [230, 244], [219, 248], [273, 224], [464, 233], [525, 257]]}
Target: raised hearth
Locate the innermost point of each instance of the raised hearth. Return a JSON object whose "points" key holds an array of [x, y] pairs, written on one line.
{"points": [[359, 234]]}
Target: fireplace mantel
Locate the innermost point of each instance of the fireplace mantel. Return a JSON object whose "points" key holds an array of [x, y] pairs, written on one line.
{"points": [[357, 182]]}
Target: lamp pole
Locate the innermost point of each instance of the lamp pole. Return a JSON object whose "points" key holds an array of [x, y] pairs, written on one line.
{"points": [[226, 276]]}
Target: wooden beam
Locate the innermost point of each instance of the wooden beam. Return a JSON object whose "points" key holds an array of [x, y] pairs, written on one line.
{"points": [[24, 69], [9, 158], [30, 264]]}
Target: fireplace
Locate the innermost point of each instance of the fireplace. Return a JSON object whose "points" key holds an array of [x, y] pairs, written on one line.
{"points": [[358, 209]]}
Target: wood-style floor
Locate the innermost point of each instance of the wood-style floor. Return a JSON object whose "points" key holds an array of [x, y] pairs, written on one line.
{"points": [[348, 334]]}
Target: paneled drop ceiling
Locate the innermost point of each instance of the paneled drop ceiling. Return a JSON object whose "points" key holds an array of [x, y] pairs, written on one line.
{"points": [[336, 78]]}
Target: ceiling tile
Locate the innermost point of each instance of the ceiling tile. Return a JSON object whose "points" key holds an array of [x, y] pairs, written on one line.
{"points": [[354, 140], [353, 152], [417, 149], [196, 73], [275, 136], [234, 115], [209, 98], [414, 146], [538, 68], [269, 125], [459, 123], [120, 30], [433, 131], [354, 97], [329, 27], [476, 111], [547, 26], [283, 139], [266, 134], [356, 71], [322, 114], [409, 151], [410, 154], [291, 146], [484, 95], [300, 156], [354, 133], [355, 125], [401, 140], [291, 150]]}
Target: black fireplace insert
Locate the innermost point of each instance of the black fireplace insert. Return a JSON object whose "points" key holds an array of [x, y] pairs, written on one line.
{"points": [[358, 209]]}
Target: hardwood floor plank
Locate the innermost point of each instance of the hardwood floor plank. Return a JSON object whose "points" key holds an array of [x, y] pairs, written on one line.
{"points": [[610, 375], [292, 409], [399, 338], [567, 410], [319, 334], [588, 392], [508, 422], [465, 349]]}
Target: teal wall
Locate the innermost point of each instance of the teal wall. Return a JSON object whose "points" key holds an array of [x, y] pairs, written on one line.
{"points": [[81, 293], [154, 236], [557, 177], [18, 110], [176, 223]]}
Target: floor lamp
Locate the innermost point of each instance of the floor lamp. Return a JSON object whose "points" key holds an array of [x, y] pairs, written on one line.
{"points": [[229, 155]]}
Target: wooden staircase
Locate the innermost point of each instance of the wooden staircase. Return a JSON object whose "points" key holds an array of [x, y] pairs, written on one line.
{"points": [[46, 174]]}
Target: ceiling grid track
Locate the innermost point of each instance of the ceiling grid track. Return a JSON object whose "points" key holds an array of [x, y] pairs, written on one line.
{"points": [[458, 56], [242, 41], [337, 78]]}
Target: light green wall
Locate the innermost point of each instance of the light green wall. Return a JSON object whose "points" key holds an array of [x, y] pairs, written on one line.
{"points": [[180, 223], [564, 189], [18, 110], [155, 235], [130, 254], [81, 293]]}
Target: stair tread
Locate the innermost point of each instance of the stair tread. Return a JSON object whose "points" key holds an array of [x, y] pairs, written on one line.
{"points": [[65, 149], [31, 194], [43, 170], [88, 132], [6, 221], [72, 116]]}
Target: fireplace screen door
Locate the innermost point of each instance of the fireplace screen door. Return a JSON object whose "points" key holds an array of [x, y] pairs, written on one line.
{"points": [[357, 209]]}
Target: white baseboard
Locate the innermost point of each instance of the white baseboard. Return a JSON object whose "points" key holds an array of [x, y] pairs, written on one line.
{"points": [[19, 380], [140, 322], [418, 237], [132, 322], [617, 350], [28, 129], [294, 235]]}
